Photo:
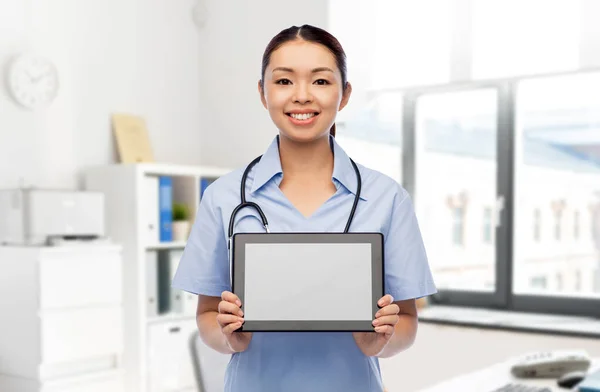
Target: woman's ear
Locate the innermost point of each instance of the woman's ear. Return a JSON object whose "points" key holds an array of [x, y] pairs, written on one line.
{"points": [[261, 91], [346, 95]]}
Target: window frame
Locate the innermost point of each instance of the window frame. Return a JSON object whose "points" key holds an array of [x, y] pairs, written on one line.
{"points": [[503, 296]]}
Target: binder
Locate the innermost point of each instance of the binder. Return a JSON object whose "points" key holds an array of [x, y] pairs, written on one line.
{"points": [[151, 283], [204, 183], [170, 299], [166, 208], [150, 209], [177, 296]]}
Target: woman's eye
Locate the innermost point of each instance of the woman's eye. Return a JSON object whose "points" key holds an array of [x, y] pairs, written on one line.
{"points": [[283, 81], [321, 82]]}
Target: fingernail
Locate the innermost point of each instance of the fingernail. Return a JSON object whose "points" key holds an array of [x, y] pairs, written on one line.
{"points": [[238, 303], [241, 320], [241, 314], [375, 322]]}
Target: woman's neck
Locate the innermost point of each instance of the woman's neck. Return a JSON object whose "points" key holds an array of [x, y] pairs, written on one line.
{"points": [[313, 159]]}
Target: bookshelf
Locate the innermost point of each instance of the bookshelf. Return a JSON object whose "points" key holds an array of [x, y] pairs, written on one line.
{"points": [[156, 339]]}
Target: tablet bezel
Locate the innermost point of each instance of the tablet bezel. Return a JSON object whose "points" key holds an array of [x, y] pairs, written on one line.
{"points": [[239, 242]]}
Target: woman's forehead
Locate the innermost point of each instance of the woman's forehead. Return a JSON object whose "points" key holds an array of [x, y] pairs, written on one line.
{"points": [[302, 56]]}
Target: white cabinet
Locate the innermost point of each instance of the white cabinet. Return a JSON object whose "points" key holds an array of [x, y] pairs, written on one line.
{"points": [[156, 348], [62, 318]]}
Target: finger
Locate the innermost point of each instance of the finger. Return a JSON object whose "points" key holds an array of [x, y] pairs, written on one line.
{"points": [[228, 330], [226, 319], [385, 300], [388, 310], [386, 330], [386, 320], [230, 297], [228, 307]]}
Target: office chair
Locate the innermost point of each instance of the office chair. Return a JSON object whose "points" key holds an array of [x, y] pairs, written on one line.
{"points": [[209, 365]]}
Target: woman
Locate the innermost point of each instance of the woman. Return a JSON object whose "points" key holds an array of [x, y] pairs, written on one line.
{"points": [[305, 182]]}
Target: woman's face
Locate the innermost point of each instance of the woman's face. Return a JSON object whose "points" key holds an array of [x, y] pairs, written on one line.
{"points": [[303, 90]]}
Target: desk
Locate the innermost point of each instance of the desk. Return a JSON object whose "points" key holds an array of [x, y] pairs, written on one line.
{"points": [[490, 378]]}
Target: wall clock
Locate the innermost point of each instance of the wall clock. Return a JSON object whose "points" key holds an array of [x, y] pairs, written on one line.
{"points": [[32, 81]]}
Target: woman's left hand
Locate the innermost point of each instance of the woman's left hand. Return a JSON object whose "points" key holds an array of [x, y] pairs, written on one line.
{"points": [[373, 343]]}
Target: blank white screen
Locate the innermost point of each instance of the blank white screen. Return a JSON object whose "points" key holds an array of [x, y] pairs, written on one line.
{"points": [[319, 282]]}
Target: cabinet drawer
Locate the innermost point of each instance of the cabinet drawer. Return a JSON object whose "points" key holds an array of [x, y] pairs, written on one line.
{"points": [[170, 364], [76, 335], [80, 277], [91, 384]]}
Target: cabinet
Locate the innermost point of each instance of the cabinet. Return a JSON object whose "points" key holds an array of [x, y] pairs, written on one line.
{"points": [[63, 327], [159, 322]]}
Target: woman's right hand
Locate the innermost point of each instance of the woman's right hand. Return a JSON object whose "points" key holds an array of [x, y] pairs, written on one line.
{"points": [[230, 318]]}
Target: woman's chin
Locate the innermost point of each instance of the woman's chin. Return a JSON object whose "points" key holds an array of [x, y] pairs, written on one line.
{"points": [[304, 135]]}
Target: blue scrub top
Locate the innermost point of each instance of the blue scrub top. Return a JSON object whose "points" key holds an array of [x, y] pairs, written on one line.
{"points": [[305, 361]]}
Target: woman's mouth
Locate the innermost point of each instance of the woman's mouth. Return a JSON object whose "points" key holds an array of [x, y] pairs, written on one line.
{"points": [[302, 118]]}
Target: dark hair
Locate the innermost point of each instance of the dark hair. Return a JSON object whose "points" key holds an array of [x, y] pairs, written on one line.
{"points": [[311, 34]]}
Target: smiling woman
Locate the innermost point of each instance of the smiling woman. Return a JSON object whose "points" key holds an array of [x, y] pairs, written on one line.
{"points": [[307, 183]]}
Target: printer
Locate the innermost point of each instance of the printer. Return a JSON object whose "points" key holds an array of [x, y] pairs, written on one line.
{"points": [[30, 216]]}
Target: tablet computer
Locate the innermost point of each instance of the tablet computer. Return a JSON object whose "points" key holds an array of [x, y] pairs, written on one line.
{"points": [[308, 281]]}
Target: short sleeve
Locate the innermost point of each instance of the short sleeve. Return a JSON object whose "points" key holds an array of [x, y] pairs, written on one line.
{"points": [[407, 272], [204, 265]]}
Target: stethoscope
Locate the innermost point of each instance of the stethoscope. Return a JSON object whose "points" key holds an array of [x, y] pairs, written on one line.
{"points": [[244, 203]]}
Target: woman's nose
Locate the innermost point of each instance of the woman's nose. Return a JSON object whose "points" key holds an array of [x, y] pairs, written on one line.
{"points": [[302, 94]]}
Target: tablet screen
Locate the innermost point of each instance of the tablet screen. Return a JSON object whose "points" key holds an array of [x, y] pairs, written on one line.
{"points": [[304, 281]]}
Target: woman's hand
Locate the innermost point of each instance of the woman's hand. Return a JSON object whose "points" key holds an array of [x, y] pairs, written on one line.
{"points": [[230, 318], [373, 343]]}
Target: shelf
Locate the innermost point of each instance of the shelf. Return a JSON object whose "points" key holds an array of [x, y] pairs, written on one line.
{"points": [[166, 169], [169, 317], [166, 245]]}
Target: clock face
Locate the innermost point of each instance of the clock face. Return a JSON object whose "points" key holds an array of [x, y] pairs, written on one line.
{"points": [[33, 81]]}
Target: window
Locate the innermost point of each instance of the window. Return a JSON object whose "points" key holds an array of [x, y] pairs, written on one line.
{"points": [[557, 120], [537, 222], [531, 141], [487, 225], [527, 147], [552, 28], [458, 226], [398, 59], [454, 151]]}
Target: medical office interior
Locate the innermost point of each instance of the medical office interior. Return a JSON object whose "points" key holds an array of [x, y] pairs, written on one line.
{"points": [[116, 115]]}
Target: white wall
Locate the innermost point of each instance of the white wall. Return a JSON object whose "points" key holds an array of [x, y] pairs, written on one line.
{"points": [[441, 352], [235, 126], [136, 56]]}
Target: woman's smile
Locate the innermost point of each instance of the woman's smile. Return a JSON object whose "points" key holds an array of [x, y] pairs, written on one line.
{"points": [[302, 117]]}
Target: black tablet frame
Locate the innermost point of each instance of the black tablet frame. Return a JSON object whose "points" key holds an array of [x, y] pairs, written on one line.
{"points": [[239, 242]]}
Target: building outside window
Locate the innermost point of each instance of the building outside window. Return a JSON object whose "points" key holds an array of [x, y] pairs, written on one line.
{"points": [[487, 225], [576, 225], [458, 223], [537, 222]]}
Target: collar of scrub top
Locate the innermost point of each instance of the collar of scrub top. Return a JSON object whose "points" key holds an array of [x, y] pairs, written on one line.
{"points": [[268, 165]]}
